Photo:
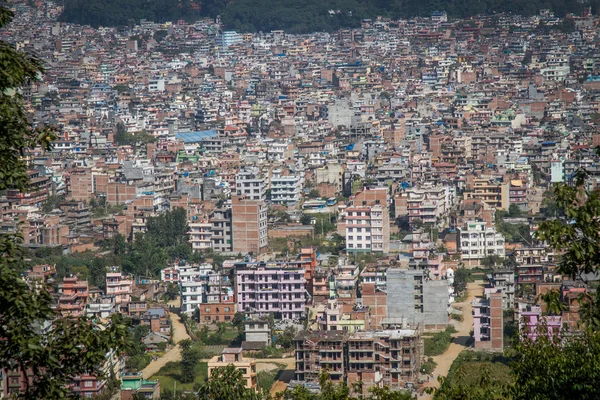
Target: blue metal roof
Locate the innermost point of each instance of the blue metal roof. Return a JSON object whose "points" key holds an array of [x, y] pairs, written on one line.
{"points": [[195, 137]]}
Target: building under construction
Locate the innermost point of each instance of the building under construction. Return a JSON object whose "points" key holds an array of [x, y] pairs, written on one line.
{"points": [[387, 357]]}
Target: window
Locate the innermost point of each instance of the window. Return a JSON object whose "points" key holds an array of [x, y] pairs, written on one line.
{"points": [[207, 309], [226, 309], [333, 318], [88, 384]]}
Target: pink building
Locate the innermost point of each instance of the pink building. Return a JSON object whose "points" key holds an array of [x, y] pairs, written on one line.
{"points": [[118, 286], [170, 274], [73, 296], [277, 288], [532, 323]]}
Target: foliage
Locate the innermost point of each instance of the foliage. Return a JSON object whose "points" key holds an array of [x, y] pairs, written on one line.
{"points": [[296, 16], [462, 276], [169, 228], [577, 234], [124, 138], [286, 338], [428, 366], [226, 383], [553, 301], [266, 379], [169, 377], [550, 368], [314, 194], [55, 349], [189, 360], [439, 342]]}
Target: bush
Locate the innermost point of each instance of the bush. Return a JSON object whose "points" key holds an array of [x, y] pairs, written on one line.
{"points": [[428, 366], [457, 317], [439, 342]]}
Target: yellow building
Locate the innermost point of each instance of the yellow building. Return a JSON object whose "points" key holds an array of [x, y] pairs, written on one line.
{"points": [[233, 355]]}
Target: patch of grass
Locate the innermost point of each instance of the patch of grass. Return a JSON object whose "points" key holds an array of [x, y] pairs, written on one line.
{"points": [[438, 343], [469, 367], [171, 373], [457, 317]]}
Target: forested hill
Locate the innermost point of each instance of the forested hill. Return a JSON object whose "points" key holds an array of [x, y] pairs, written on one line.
{"points": [[296, 16]]}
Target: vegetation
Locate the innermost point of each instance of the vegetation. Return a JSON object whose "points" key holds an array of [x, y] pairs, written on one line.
{"points": [[35, 337], [462, 276], [439, 342], [428, 366], [137, 359], [296, 16], [170, 377]]}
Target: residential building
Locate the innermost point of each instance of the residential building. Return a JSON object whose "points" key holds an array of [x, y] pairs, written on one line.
{"points": [[285, 189], [233, 356], [73, 296], [119, 287], [133, 385], [249, 225], [387, 357], [502, 280], [488, 322], [413, 297], [276, 288], [477, 241], [367, 229]]}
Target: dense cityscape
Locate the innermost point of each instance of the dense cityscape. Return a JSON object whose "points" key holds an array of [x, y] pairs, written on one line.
{"points": [[381, 206]]}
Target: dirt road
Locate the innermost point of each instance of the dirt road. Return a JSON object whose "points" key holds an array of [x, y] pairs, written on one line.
{"points": [[179, 334], [460, 338]]}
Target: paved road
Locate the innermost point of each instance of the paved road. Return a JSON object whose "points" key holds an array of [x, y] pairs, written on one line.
{"points": [[174, 354], [460, 338]]}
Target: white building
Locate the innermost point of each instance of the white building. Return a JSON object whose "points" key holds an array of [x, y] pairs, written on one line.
{"points": [[193, 282], [367, 229], [285, 190], [250, 183], [200, 234], [477, 241]]}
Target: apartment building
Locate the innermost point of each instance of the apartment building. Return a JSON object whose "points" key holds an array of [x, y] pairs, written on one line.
{"points": [[38, 190], [250, 183], [233, 356], [119, 287], [200, 234], [221, 230], [477, 241], [488, 322], [430, 205], [73, 296], [413, 297], [389, 357], [367, 229], [534, 264], [285, 189], [502, 280], [277, 288], [249, 225], [493, 192]]}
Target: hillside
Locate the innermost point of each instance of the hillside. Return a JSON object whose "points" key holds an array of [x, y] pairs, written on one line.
{"points": [[296, 16]]}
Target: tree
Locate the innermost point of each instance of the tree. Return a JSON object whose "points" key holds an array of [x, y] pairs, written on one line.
{"points": [[189, 360], [35, 339], [554, 304], [227, 383], [577, 234], [461, 277]]}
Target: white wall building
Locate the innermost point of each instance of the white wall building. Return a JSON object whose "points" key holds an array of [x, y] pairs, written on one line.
{"points": [[477, 241], [285, 190]]}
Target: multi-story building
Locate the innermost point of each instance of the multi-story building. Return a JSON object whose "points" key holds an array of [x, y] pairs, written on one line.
{"points": [[200, 234], [233, 356], [533, 264], [285, 189], [221, 230], [488, 322], [412, 297], [477, 241], [119, 287], [73, 296], [502, 280], [250, 183], [429, 204], [249, 225], [367, 229], [388, 357], [493, 192], [277, 288], [38, 189]]}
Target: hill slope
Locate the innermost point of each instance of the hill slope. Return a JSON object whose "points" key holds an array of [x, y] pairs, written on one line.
{"points": [[296, 16]]}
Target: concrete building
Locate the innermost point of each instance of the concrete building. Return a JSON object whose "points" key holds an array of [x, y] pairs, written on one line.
{"points": [[367, 229], [250, 183], [389, 357], [502, 280], [276, 288], [477, 241], [493, 193], [221, 230], [73, 296], [119, 287], [411, 296], [488, 322], [249, 225], [200, 234], [233, 356], [285, 190]]}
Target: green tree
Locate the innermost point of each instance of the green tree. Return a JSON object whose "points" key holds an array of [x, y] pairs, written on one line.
{"points": [[554, 304], [189, 360], [35, 338], [227, 383]]}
